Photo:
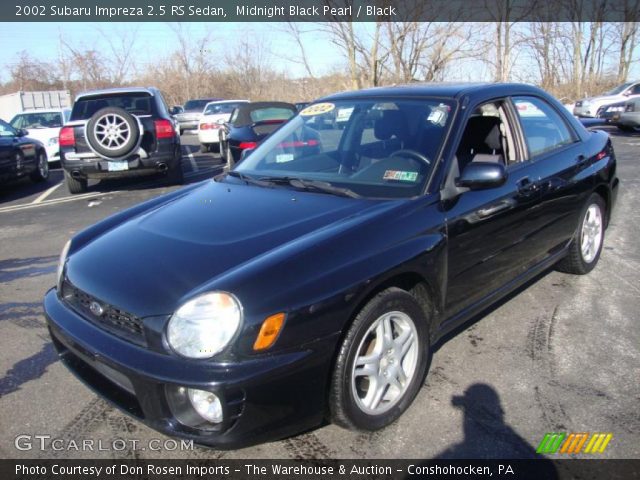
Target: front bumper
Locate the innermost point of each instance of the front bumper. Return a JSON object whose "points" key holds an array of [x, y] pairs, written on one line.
{"points": [[629, 119], [264, 398], [585, 111]]}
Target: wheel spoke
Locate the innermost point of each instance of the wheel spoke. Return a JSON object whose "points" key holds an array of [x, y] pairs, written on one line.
{"points": [[380, 390]]}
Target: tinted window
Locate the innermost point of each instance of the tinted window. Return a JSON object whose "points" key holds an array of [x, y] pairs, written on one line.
{"points": [[196, 105], [6, 130], [380, 149], [134, 103], [37, 120], [635, 90], [619, 89], [544, 129], [220, 108], [271, 113]]}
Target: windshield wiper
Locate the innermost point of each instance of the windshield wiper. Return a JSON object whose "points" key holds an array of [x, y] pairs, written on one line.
{"points": [[248, 179], [312, 185]]}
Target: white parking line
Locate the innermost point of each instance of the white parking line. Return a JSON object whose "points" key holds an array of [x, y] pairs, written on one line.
{"points": [[45, 194], [85, 196], [192, 160]]}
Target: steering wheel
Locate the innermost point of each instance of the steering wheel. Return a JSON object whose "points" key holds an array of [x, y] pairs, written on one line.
{"points": [[411, 153]]}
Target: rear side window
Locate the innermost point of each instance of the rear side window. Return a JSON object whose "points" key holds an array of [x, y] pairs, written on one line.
{"points": [[543, 127], [271, 113], [134, 103]]}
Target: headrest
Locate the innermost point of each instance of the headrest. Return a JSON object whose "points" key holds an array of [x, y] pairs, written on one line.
{"points": [[392, 122], [483, 133]]}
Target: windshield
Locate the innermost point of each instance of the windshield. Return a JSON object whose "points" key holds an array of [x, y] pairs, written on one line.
{"points": [[6, 130], [619, 89], [374, 148], [37, 120], [195, 105], [221, 108]]}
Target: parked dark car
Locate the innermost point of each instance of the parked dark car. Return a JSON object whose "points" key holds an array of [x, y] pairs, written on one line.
{"points": [[21, 155], [608, 112], [119, 132], [249, 125], [192, 111], [628, 120], [310, 284]]}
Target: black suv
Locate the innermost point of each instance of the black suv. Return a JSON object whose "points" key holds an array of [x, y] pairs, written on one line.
{"points": [[119, 132]]}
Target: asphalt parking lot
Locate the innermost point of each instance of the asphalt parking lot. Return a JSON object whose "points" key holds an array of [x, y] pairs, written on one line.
{"points": [[560, 356]]}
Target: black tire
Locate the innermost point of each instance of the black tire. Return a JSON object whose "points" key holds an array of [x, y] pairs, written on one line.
{"points": [[130, 138], [75, 185], [204, 148], [344, 409], [41, 173], [180, 131], [575, 262], [624, 128], [175, 175]]}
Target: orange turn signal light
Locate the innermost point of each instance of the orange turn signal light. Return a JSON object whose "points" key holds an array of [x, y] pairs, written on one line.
{"points": [[269, 331]]}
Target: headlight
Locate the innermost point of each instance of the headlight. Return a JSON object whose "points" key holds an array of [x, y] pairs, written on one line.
{"points": [[63, 260], [53, 141], [204, 325]]}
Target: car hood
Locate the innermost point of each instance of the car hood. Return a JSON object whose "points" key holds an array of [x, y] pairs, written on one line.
{"points": [[605, 99], [148, 264]]}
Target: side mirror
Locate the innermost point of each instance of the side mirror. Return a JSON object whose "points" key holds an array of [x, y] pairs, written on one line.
{"points": [[174, 111], [21, 132], [481, 175]]}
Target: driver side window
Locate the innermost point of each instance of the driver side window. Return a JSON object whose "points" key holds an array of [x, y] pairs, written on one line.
{"points": [[487, 137]]}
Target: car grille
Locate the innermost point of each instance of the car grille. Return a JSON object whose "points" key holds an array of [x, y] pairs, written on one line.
{"points": [[114, 320]]}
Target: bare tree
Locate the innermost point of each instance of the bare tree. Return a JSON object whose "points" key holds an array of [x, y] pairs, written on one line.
{"points": [[628, 35]]}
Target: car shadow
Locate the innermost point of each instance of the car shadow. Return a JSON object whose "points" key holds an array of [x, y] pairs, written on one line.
{"points": [[25, 187]]}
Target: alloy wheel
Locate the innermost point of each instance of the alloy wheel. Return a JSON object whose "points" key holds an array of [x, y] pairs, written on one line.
{"points": [[591, 235], [112, 131], [385, 363]]}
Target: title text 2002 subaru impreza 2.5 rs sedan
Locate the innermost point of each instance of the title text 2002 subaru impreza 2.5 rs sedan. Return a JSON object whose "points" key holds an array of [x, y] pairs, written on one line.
{"points": [[310, 281]]}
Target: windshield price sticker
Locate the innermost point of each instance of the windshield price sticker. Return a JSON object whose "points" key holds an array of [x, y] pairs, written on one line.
{"points": [[317, 109], [400, 175]]}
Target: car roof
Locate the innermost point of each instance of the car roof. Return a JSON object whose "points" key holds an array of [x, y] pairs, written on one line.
{"points": [[43, 110], [226, 101], [443, 90], [114, 91]]}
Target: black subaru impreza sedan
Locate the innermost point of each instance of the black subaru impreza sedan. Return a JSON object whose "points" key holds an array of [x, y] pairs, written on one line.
{"points": [[310, 282]]}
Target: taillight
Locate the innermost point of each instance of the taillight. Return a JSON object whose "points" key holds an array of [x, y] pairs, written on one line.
{"points": [[245, 145], [209, 126], [601, 155], [67, 137], [164, 129]]}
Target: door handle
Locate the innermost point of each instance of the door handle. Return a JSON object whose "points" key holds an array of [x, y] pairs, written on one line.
{"points": [[486, 212]]}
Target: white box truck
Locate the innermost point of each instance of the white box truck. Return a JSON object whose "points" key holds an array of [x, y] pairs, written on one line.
{"points": [[17, 102]]}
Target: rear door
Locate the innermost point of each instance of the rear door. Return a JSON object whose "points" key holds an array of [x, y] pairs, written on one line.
{"points": [[556, 159]]}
